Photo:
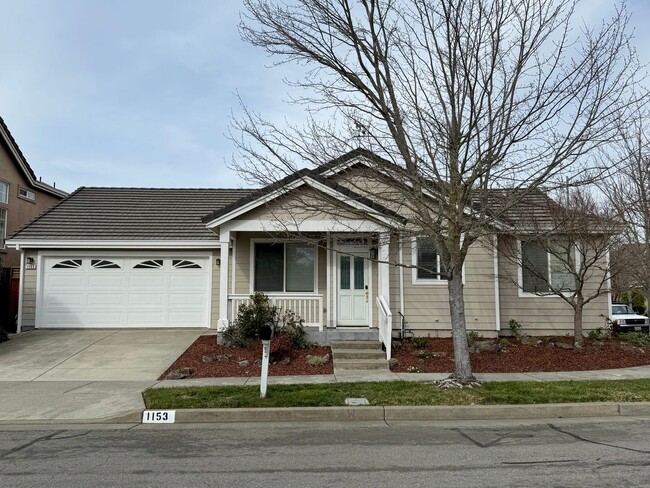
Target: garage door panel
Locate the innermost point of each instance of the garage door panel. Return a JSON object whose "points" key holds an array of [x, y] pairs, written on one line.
{"points": [[105, 300], [180, 319], [100, 294], [106, 281], [105, 319]]}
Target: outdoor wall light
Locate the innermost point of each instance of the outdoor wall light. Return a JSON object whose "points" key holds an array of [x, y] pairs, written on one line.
{"points": [[218, 261], [373, 253], [31, 263]]}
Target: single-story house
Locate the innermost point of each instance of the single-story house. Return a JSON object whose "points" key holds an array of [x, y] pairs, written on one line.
{"points": [[313, 242]]}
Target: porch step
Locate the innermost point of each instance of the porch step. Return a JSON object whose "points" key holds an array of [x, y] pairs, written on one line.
{"points": [[360, 365], [356, 345], [358, 356]]}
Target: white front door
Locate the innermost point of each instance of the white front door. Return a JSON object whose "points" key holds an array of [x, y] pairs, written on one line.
{"points": [[353, 292]]}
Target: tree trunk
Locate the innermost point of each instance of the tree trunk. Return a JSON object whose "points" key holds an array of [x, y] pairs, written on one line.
{"points": [[463, 367], [577, 322]]}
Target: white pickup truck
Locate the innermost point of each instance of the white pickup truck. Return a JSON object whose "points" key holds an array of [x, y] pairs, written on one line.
{"points": [[625, 319]]}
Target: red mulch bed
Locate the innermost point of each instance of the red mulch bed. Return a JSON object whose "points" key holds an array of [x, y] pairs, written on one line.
{"points": [[518, 358], [207, 346]]}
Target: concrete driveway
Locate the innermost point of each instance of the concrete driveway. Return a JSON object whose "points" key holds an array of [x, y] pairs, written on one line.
{"points": [[84, 374]]}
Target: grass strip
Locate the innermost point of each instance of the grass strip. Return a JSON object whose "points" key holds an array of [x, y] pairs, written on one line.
{"points": [[395, 393]]}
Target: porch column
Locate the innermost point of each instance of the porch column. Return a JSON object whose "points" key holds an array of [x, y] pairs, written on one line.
{"points": [[224, 241], [384, 273]]}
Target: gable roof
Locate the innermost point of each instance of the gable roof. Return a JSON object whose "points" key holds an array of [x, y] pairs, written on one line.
{"points": [[307, 177], [12, 146], [130, 214]]}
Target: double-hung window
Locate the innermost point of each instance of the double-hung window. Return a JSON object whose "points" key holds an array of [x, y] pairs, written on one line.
{"points": [[284, 267], [429, 268], [4, 192], [541, 269]]}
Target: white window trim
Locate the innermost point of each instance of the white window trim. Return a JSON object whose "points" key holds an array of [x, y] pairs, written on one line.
{"points": [[520, 275], [426, 281], [284, 278], [26, 197], [8, 188]]}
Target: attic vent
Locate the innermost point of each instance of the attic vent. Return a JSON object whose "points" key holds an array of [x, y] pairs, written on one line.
{"points": [[104, 263], [149, 264], [68, 263], [184, 263]]}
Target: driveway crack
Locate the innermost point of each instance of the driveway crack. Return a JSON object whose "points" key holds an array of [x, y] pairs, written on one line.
{"points": [[583, 439]]}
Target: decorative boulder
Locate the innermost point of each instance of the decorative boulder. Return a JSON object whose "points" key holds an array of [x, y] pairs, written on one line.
{"points": [[179, 374], [485, 346]]}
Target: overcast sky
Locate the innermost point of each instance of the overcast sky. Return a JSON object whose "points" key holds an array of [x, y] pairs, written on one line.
{"points": [[139, 92]]}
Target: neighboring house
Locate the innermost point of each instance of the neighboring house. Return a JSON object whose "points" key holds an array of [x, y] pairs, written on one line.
{"points": [[132, 257], [22, 198]]}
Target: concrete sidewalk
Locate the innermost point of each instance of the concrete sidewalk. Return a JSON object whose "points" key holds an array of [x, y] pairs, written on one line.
{"points": [[638, 372]]}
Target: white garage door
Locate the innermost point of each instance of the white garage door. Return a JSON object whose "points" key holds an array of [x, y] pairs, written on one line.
{"points": [[133, 291]]}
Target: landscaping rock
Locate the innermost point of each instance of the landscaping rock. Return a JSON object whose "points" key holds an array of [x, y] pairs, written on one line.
{"points": [[564, 345], [215, 358], [530, 341], [179, 374], [393, 363], [286, 360], [485, 346], [626, 346], [244, 363], [599, 344], [258, 362], [318, 360]]}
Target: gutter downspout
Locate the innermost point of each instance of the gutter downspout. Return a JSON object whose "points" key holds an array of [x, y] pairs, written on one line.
{"points": [[21, 290]]}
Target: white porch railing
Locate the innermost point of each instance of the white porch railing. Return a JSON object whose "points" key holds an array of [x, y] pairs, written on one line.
{"points": [[385, 319], [307, 307]]}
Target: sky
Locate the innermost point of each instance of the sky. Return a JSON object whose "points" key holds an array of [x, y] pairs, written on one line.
{"points": [[140, 92]]}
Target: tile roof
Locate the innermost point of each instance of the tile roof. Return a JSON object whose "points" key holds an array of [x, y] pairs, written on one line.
{"points": [[92, 213]]}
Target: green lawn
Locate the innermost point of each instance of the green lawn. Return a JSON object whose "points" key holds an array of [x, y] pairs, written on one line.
{"points": [[399, 393]]}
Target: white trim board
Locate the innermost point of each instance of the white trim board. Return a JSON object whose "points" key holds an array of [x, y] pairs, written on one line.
{"points": [[108, 244]]}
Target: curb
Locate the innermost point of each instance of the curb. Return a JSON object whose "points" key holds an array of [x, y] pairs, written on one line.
{"points": [[412, 413]]}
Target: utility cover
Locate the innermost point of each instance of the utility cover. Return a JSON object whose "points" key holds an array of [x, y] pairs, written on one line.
{"points": [[356, 402]]}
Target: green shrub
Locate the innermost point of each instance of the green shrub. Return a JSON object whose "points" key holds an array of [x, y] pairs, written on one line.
{"points": [[259, 311], [504, 343], [515, 329], [597, 334], [419, 342], [472, 337], [639, 339], [426, 355]]}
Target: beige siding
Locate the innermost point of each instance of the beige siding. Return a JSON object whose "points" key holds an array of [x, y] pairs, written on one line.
{"points": [[29, 294], [544, 315], [426, 306]]}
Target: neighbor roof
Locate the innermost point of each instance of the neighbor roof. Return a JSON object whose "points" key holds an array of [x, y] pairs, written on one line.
{"points": [[119, 214], [23, 165]]}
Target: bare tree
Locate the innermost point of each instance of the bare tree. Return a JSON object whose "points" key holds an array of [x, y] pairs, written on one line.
{"points": [[628, 193], [564, 250], [459, 97]]}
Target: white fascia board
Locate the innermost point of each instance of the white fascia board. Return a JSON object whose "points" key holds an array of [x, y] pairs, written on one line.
{"points": [[342, 225], [45, 244], [345, 165]]}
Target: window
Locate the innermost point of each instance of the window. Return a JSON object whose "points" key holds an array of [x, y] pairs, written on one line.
{"points": [[284, 267], [4, 192], [104, 263], [149, 264], [3, 227], [541, 268], [184, 263], [68, 264], [429, 266], [29, 195]]}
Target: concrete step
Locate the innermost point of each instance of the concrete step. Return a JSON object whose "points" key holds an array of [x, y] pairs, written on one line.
{"points": [[355, 345], [360, 364], [358, 354]]}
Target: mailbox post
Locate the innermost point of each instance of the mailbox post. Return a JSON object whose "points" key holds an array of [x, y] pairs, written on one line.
{"points": [[265, 334]]}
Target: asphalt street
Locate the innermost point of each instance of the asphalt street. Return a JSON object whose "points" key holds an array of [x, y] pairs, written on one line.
{"points": [[563, 453]]}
